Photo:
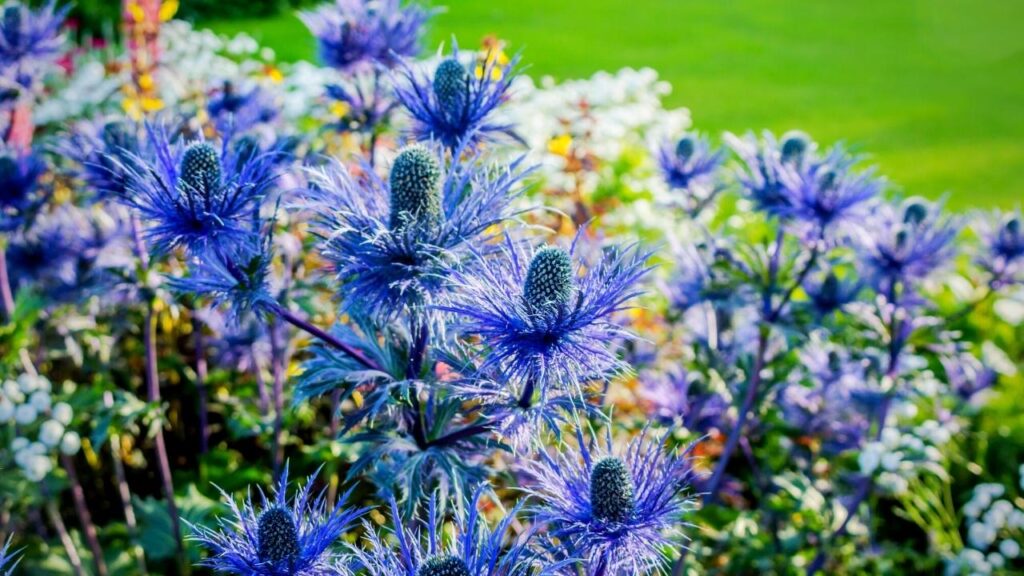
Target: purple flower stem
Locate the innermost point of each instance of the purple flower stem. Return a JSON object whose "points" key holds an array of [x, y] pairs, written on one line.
{"points": [[84, 517], [62, 531], [312, 330], [124, 492], [862, 493], [278, 364], [6, 295], [152, 377], [201, 377]]}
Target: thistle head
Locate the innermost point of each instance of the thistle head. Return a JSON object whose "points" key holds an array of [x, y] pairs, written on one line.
{"points": [[915, 213], [247, 148], [415, 193], [794, 146], [200, 169], [685, 147], [115, 135], [549, 279], [12, 18], [443, 565], [451, 82], [277, 536], [611, 490]]}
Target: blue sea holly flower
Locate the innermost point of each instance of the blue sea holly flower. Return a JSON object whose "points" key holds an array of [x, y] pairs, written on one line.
{"points": [[279, 538], [29, 37], [828, 293], [762, 172], [197, 196], [456, 105], [234, 277], [355, 35], [233, 109], [103, 151], [8, 558], [367, 102], [615, 512], [689, 166], [474, 548], [1002, 253], [904, 243], [394, 244], [21, 192], [546, 320]]}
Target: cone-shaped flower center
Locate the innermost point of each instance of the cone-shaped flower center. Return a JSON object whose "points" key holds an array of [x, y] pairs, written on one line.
{"points": [[443, 565], [200, 169], [794, 147], [685, 148], [8, 173], [414, 187], [611, 490], [277, 536], [115, 135], [549, 280], [12, 21], [451, 82], [915, 213]]}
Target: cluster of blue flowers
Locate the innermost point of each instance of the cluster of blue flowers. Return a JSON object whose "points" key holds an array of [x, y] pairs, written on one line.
{"points": [[466, 357]]}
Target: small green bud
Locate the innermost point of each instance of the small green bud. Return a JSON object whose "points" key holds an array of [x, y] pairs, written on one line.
{"points": [[611, 490], [451, 85]]}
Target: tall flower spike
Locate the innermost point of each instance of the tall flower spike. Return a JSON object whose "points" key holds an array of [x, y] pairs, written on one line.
{"points": [[197, 197], [278, 537], [356, 35], [455, 108], [387, 268], [544, 323], [615, 513], [475, 549]]}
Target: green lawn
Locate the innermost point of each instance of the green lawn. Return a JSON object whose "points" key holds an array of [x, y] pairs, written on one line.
{"points": [[932, 89]]}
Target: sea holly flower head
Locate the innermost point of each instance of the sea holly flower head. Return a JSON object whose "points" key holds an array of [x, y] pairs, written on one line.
{"points": [[1002, 253], [456, 107], [690, 165], [614, 511], [356, 35], [542, 319], [29, 37], [21, 192], [394, 244], [197, 196], [828, 293], [233, 109], [275, 537], [103, 151], [364, 102], [904, 243], [763, 168], [476, 548]]}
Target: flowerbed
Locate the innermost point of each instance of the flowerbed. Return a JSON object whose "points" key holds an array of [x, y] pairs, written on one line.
{"points": [[496, 326]]}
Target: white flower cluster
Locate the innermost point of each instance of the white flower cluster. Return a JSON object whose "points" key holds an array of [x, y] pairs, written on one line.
{"points": [[586, 133], [898, 456], [995, 528], [27, 403]]}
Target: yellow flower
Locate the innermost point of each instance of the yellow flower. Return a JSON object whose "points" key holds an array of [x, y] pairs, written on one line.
{"points": [[152, 104], [340, 109], [560, 145], [146, 82], [274, 74], [136, 12], [168, 9]]}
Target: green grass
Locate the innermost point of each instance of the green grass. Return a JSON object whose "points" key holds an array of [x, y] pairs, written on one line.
{"points": [[932, 89]]}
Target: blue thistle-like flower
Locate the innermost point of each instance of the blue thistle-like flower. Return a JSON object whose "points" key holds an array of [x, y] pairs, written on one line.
{"points": [[616, 513], [902, 244], [21, 192], [8, 558], [762, 174], [455, 106], [233, 109], [199, 196], [70, 253], [828, 293], [1002, 252], [542, 326], [826, 195], [235, 277], [675, 396], [354, 35], [278, 538], [29, 37], [475, 548], [689, 165], [699, 277], [104, 151], [389, 263], [367, 102]]}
